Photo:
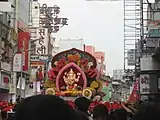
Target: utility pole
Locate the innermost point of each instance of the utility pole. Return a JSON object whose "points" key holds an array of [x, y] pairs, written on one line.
{"points": [[15, 27]]}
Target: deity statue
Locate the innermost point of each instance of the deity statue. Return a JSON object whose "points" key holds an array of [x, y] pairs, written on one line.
{"points": [[71, 79]]}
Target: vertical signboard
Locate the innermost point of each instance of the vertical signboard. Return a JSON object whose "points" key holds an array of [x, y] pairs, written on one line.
{"points": [[144, 84], [42, 43], [23, 46], [17, 62], [131, 57], [35, 14]]}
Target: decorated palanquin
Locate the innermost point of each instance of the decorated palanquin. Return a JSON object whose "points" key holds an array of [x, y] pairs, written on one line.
{"points": [[73, 73]]}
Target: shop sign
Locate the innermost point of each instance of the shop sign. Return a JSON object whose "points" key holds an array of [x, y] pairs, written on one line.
{"points": [[131, 57], [42, 43], [38, 58], [17, 62], [12, 84], [154, 32], [23, 44], [152, 42], [5, 81], [144, 84], [5, 66]]}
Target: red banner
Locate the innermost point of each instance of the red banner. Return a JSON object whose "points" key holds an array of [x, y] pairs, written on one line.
{"points": [[23, 46], [134, 95]]}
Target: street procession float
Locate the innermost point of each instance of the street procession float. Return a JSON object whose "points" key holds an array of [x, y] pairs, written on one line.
{"points": [[73, 74]]}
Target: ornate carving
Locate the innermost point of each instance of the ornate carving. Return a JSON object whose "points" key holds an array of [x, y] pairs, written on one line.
{"points": [[70, 79]]}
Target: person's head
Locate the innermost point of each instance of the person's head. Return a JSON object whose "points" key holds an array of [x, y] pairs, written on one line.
{"points": [[10, 101], [148, 111], [3, 115], [100, 111], [121, 114], [82, 104], [44, 107], [40, 68], [112, 116]]}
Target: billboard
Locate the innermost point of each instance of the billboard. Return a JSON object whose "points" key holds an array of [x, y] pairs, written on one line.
{"points": [[152, 42], [42, 43], [23, 47], [131, 57]]}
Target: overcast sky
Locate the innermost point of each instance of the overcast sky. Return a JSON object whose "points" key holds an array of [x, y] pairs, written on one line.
{"points": [[99, 23]]}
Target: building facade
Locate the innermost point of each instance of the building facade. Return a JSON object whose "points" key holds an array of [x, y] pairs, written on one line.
{"points": [[150, 66], [10, 24], [100, 57]]}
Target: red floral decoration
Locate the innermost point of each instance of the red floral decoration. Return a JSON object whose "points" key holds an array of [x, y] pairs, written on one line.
{"points": [[73, 58], [92, 73], [53, 72], [71, 104], [61, 63], [5, 106], [84, 62]]}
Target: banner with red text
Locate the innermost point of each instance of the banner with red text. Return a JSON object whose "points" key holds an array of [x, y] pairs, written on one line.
{"points": [[23, 47]]}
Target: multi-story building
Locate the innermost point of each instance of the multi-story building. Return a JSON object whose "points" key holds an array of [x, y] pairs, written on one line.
{"points": [[100, 57], [11, 23], [118, 74], [150, 65], [90, 49]]}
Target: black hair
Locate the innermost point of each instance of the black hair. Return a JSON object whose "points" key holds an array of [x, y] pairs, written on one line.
{"points": [[121, 114], [100, 110], [82, 104], [4, 114], [81, 116], [148, 111], [44, 107], [112, 116]]}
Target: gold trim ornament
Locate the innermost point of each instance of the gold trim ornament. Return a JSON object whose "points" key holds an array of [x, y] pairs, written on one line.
{"points": [[50, 91], [94, 84], [87, 93]]}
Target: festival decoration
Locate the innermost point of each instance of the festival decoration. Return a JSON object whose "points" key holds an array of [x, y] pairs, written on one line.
{"points": [[134, 95], [50, 91], [73, 74], [88, 93]]}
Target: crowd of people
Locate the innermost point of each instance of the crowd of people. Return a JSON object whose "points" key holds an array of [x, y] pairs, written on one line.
{"points": [[49, 107]]}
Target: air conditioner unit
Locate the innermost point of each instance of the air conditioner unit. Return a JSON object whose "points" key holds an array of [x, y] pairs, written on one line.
{"points": [[5, 6]]}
